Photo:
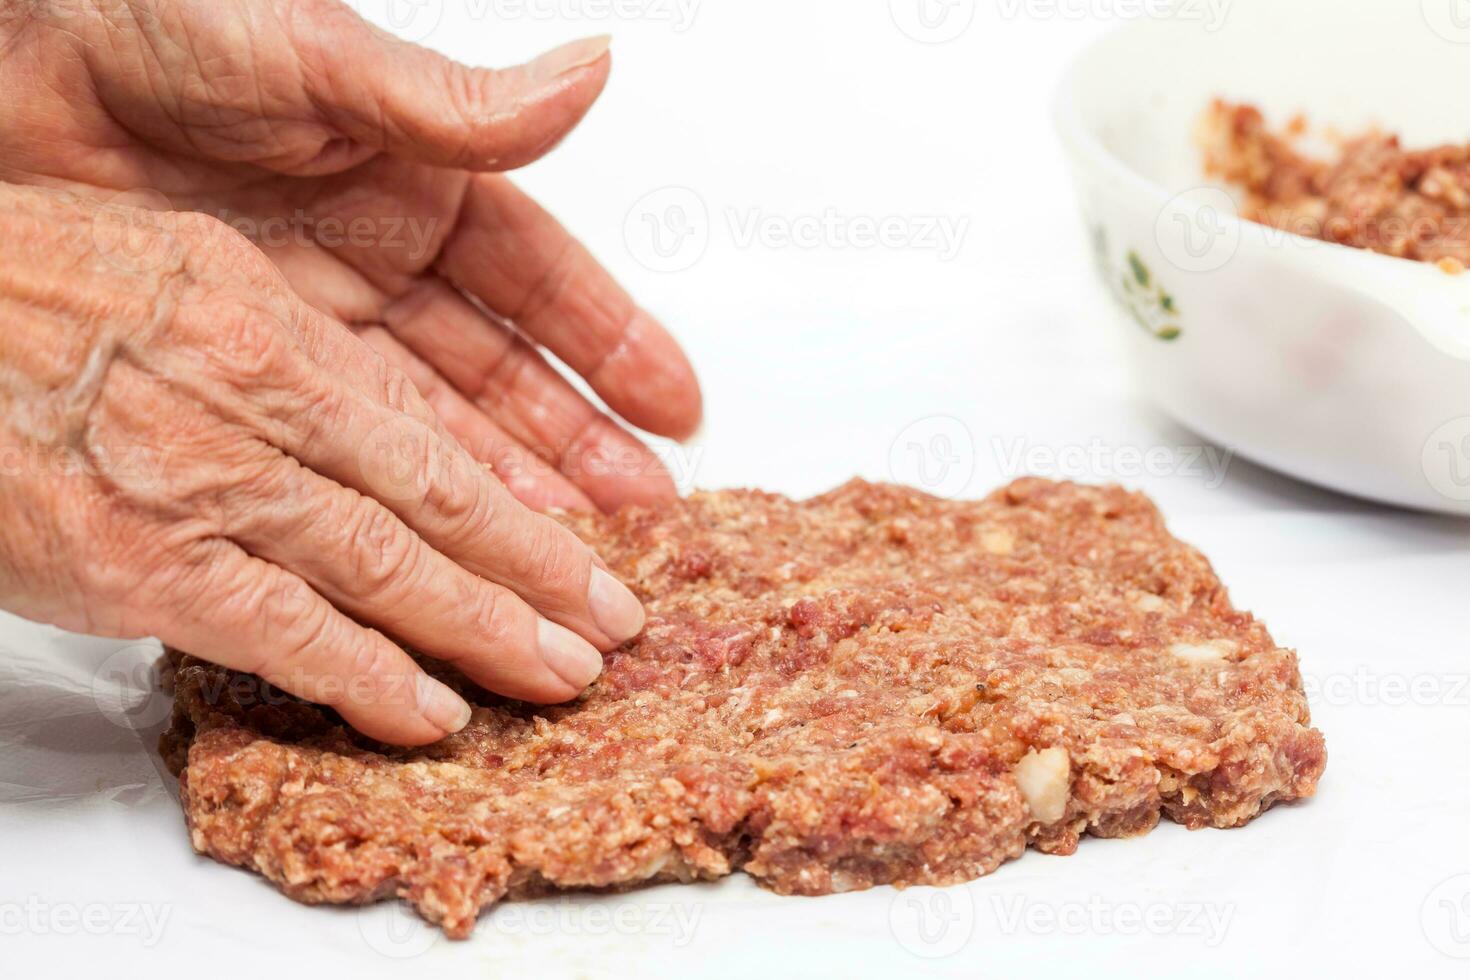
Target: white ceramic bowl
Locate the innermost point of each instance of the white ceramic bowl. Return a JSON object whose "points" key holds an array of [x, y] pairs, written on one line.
{"points": [[1336, 365]]}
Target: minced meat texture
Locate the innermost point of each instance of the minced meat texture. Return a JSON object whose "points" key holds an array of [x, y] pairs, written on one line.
{"points": [[872, 686], [1414, 204]]}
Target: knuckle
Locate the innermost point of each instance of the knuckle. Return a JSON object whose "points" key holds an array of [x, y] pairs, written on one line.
{"points": [[547, 292], [253, 349], [394, 387], [307, 634], [185, 583], [251, 474], [472, 93], [494, 618], [557, 565], [375, 661], [316, 411], [398, 391], [286, 602], [464, 496], [388, 555]]}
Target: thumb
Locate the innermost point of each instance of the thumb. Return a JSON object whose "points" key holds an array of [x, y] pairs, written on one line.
{"points": [[409, 101]]}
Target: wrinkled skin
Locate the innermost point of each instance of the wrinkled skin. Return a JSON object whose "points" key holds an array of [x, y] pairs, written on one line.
{"points": [[278, 451], [262, 111]]}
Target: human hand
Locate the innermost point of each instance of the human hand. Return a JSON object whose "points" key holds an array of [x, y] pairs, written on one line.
{"points": [[191, 452], [297, 122]]}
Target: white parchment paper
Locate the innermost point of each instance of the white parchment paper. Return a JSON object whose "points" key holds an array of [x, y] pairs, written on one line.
{"points": [[817, 363]]}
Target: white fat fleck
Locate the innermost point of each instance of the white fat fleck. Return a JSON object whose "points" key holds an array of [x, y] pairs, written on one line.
{"points": [[655, 864], [1211, 652], [1148, 602], [1045, 780], [999, 542]]}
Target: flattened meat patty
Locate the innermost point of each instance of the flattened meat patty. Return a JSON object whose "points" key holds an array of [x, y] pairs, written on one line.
{"points": [[871, 686]]}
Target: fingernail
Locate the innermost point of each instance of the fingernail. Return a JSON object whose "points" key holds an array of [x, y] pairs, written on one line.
{"points": [[572, 658], [617, 612], [441, 706], [568, 57]]}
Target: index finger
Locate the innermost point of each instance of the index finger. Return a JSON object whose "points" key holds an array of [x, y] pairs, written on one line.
{"points": [[370, 430], [517, 259]]}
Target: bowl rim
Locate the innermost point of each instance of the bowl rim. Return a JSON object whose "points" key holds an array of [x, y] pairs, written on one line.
{"points": [[1434, 303], [1079, 138]]}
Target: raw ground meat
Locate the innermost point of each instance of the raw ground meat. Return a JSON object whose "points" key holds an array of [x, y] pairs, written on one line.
{"points": [[873, 686], [1414, 204]]}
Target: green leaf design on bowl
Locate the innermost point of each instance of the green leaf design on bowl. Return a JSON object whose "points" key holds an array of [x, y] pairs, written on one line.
{"points": [[1133, 284], [1140, 271]]}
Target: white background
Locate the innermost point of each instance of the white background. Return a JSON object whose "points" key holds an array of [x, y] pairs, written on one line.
{"points": [[820, 360]]}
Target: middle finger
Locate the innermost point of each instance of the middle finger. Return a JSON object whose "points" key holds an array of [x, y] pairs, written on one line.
{"points": [[367, 428], [512, 383]]}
